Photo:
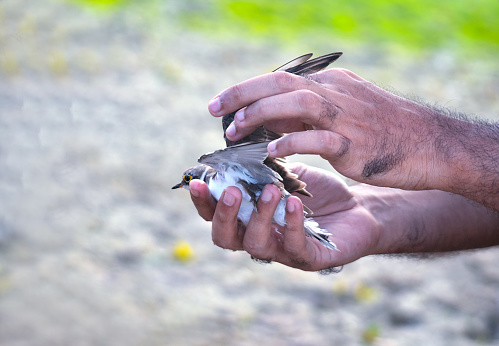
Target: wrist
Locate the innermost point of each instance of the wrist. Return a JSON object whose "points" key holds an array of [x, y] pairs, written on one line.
{"points": [[449, 159], [381, 204], [426, 221], [407, 221], [468, 161]]}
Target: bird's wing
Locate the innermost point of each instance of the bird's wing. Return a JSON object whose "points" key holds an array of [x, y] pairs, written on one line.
{"points": [[314, 65], [261, 134], [300, 66], [247, 157], [294, 62]]}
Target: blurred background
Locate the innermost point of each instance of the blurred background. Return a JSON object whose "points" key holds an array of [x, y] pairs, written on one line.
{"points": [[103, 104]]}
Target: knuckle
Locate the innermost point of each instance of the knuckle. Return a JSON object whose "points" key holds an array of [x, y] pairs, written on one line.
{"points": [[234, 93], [289, 145], [252, 248], [330, 74], [224, 245], [255, 249], [215, 237], [217, 240], [253, 113], [333, 75], [343, 72], [326, 142], [307, 100], [222, 242], [207, 216], [283, 80], [337, 75], [344, 147], [328, 112], [362, 87]]}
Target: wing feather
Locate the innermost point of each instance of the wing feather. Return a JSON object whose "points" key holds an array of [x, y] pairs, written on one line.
{"points": [[301, 66], [314, 65], [247, 158], [295, 62]]}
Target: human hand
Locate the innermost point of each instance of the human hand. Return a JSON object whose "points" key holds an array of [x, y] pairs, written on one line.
{"points": [[353, 228], [365, 132]]}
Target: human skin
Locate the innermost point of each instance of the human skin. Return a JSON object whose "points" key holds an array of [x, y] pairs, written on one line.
{"points": [[366, 133], [393, 145], [363, 220]]}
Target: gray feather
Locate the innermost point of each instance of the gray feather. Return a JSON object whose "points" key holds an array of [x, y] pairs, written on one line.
{"points": [[313, 230], [248, 157], [295, 62]]}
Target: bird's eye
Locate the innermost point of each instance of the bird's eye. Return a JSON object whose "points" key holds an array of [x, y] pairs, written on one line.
{"points": [[187, 178]]}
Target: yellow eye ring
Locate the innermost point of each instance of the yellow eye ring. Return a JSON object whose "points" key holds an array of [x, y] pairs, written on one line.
{"points": [[187, 178]]}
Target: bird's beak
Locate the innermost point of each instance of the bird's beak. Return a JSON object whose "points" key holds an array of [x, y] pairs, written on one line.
{"points": [[177, 186]]}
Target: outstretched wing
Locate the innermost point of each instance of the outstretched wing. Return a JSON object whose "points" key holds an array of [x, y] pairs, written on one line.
{"points": [[314, 65], [300, 66], [247, 158], [261, 134], [294, 62]]}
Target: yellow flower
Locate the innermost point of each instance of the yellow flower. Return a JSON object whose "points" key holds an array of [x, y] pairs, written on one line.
{"points": [[183, 251], [364, 293]]}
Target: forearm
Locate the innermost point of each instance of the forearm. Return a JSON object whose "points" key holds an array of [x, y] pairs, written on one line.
{"points": [[469, 153], [368, 134], [427, 221]]}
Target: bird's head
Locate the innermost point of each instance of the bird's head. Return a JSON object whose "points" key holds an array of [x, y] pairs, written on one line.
{"points": [[198, 172]]}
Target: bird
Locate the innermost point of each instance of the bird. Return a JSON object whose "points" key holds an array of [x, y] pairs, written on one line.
{"points": [[245, 164]]}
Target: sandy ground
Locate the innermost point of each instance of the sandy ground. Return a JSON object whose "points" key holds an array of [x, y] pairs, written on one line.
{"points": [[99, 117]]}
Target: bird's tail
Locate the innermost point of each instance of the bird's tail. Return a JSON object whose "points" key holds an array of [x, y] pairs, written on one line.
{"points": [[313, 230]]}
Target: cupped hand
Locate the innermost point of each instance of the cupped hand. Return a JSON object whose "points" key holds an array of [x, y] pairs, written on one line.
{"points": [[365, 132], [354, 230]]}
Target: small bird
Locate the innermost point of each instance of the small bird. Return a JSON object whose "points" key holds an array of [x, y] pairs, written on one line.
{"points": [[245, 164]]}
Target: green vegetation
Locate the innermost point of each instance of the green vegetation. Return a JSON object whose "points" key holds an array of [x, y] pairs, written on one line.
{"points": [[463, 26], [101, 4], [371, 334]]}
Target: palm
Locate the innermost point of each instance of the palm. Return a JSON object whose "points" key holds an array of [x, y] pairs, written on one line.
{"points": [[336, 210], [334, 206]]}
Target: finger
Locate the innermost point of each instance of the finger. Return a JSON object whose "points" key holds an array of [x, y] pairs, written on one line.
{"points": [[277, 113], [298, 168], [329, 145], [258, 240], [247, 92], [295, 242], [290, 125], [291, 112], [338, 77], [224, 226], [202, 199]]}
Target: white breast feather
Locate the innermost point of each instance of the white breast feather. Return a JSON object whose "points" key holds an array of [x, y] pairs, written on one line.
{"points": [[223, 180]]}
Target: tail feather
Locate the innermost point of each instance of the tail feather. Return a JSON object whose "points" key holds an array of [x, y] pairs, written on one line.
{"points": [[313, 230]]}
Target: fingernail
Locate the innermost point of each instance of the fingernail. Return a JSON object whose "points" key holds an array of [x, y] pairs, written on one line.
{"points": [[215, 105], [231, 130], [240, 115], [290, 207], [272, 147], [229, 199], [266, 195]]}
